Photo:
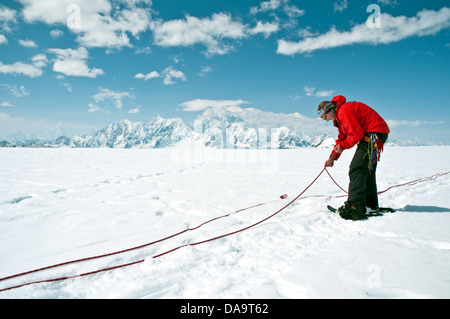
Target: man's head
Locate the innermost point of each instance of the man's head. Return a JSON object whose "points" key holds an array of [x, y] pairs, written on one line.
{"points": [[327, 110]]}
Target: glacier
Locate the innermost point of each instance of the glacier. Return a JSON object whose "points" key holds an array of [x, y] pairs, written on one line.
{"points": [[61, 204]]}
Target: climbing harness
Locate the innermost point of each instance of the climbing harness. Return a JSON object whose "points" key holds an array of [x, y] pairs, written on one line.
{"points": [[374, 149]]}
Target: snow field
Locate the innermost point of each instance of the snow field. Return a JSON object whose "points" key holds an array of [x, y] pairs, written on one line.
{"points": [[58, 205]]}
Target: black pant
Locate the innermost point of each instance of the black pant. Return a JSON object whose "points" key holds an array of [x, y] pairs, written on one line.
{"points": [[362, 190]]}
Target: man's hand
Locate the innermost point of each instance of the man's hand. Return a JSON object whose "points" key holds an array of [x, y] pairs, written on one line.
{"points": [[329, 162]]}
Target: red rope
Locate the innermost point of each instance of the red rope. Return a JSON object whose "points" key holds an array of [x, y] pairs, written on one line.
{"points": [[148, 244], [245, 228], [133, 248], [421, 180], [70, 277], [335, 182], [188, 229], [414, 182], [117, 252]]}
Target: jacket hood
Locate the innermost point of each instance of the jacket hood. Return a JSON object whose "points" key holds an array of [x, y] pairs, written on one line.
{"points": [[339, 100]]}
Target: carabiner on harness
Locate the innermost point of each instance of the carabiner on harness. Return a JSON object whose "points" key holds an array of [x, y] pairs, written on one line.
{"points": [[374, 149]]}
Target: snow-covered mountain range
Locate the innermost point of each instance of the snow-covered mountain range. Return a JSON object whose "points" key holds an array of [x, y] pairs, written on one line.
{"points": [[230, 127], [220, 127]]}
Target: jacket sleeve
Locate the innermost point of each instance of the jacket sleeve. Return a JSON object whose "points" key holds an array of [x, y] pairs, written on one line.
{"points": [[341, 136], [355, 132]]}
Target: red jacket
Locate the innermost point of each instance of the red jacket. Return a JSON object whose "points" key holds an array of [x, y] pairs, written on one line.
{"points": [[354, 120]]}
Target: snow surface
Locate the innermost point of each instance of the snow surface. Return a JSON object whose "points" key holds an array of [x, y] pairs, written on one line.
{"points": [[58, 205]]}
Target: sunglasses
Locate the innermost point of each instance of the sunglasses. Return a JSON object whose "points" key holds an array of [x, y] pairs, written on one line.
{"points": [[325, 110]]}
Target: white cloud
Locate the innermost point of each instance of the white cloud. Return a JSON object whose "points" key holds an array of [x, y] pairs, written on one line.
{"points": [[105, 94], [310, 91], [147, 50], [19, 128], [20, 68], [210, 32], [28, 43], [395, 123], [93, 107], [56, 33], [201, 104], [170, 76], [3, 39], [32, 70], [266, 6], [306, 32], [39, 60], [73, 63], [216, 33], [148, 76], [265, 28], [340, 5], [17, 91], [97, 23], [134, 111], [388, 2], [291, 10], [6, 104], [67, 86], [7, 16], [205, 70], [393, 29]]}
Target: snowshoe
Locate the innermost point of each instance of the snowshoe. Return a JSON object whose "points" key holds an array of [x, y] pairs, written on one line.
{"points": [[348, 212], [379, 211]]}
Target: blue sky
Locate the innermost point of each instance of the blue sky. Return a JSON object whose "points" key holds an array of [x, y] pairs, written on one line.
{"points": [[82, 64]]}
